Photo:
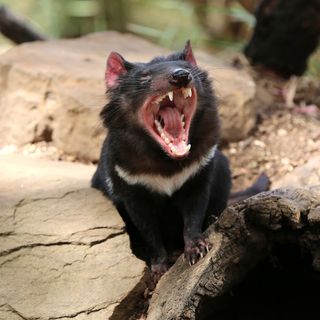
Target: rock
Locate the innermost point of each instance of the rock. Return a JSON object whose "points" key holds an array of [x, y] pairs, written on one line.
{"points": [[302, 176], [236, 92], [64, 251], [54, 90]]}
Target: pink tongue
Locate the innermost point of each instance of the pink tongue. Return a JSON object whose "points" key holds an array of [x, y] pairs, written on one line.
{"points": [[172, 122]]}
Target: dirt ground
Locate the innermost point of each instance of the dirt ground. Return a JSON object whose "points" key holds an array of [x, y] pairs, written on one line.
{"points": [[286, 135]]}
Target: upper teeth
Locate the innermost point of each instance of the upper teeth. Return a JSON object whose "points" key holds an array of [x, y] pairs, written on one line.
{"points": [[169, 94], [187, 92], [159, 99]]}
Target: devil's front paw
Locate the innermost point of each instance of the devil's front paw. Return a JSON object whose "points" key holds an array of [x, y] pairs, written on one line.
{"points": [[196, 249], [157, 271]]}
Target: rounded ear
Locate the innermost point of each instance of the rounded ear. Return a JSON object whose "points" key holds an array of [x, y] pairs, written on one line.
{"points": [[115, 68], [188, 54]]}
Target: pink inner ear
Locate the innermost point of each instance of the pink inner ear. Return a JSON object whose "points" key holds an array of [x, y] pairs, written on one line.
{"points": [[189, 54], [115, 67]]}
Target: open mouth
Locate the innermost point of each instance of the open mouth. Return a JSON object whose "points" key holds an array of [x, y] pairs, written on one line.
{"points": [[167, 118]]}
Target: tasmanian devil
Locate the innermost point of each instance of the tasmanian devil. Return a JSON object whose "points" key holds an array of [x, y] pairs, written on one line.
{"points": [[159, 163]]}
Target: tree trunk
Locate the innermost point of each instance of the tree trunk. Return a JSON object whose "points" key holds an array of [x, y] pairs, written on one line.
{"points": [[252, 241], [116, 12]]}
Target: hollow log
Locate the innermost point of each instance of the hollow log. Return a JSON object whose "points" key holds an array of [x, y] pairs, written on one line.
{"points": [[16, 29], [245, 235]]}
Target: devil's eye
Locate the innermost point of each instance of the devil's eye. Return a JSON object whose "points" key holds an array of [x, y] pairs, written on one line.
{"points": [[145, 76]]}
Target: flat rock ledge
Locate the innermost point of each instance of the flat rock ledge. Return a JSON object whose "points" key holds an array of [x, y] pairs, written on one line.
{"points": [[64, 253]]}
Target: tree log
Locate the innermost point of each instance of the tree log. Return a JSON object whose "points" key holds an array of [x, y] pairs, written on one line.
{"points": [[241, 239], [17, 30]]}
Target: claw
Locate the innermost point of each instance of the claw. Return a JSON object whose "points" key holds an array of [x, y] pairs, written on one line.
{"points": [[196, 249]]}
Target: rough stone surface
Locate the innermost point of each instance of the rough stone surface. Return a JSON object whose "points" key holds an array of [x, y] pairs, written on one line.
{"points": [[63, 251], [54, 91], [235, 91], [302, 176]]}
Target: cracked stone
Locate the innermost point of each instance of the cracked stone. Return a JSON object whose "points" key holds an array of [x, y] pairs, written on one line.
{"points": [[64, 252]]}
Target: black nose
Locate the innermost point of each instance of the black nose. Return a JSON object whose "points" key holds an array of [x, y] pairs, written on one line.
{"points": [[180, 78]]}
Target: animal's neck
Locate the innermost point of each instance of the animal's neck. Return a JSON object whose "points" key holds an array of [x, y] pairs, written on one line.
{"points": [[166, 184]]}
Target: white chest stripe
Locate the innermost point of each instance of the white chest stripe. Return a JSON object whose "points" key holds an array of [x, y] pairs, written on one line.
{"points": [[166, 184]]}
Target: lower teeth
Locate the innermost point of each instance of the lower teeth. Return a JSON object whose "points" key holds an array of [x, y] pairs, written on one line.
{"points": [[159, 125]]}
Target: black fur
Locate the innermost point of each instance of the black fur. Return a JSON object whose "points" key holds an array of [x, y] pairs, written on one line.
{"points": [[164, 223], [286, 33]]}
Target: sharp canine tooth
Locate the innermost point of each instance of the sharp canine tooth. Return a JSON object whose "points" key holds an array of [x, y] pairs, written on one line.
{"points": [[182, 117], [187, 92], [188, 147], [170, 95], [184, 93]]}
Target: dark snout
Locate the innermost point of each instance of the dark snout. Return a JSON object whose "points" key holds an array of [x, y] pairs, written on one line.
{"points": [[180, 78]]}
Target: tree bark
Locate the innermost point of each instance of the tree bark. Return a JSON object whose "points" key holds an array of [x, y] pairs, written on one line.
{"points": [[241, 239], [17, 30], [116, 12]]}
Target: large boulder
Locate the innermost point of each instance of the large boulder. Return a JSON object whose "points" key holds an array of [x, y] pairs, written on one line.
{"points": [[54, 90], [64, 252]]}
